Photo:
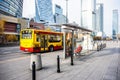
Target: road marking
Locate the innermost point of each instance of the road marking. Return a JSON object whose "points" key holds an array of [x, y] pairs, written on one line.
{"points": [[15, 59]]}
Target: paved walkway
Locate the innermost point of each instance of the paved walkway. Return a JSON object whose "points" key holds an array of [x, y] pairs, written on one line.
{"points": [[102, 65]]}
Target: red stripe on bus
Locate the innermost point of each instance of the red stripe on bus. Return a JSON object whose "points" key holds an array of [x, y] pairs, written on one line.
{"points": [[31, 49], [57, 47]]}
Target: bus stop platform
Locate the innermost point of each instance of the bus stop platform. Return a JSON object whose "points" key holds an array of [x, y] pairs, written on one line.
{"points": [[101, 65]]}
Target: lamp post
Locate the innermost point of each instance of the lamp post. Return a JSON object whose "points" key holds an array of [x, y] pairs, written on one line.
{"points": [[81, 14], [66, 11], [28, 25]]}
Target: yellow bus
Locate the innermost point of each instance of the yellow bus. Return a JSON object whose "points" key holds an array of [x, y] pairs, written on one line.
{"points": [[32, 40]]}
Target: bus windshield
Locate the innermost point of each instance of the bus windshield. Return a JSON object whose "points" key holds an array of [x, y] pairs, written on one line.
{"points": [[26, 34]]}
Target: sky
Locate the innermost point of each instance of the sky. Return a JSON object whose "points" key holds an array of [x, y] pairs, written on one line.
{"points": [[74, 11]]}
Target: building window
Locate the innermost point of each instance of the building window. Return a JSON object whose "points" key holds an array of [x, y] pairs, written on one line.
{"points": [[3, 8]]}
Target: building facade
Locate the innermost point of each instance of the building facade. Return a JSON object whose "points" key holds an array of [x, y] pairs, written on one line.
{"points": [[88, 14], [10, 28], [43, 11], [11, 7], [58, 9], [35, 25], [115, 23], [58, 16], [99, 17]]}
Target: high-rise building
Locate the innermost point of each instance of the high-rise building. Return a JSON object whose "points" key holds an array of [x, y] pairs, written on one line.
{"points": [[59, 17], [99, 17], [43, 11], [115, 23], [58, 10], [11, 7], [88, 14]]}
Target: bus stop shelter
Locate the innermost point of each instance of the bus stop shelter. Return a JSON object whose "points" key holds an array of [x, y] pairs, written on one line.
{"points": [[72, 35]]}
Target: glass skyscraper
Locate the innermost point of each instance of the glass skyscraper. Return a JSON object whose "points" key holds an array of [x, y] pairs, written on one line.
{"points": [[88, 15], [11, 7], [43, 9], [115, 23], [59, 17], [99, 17], [58, 10]]}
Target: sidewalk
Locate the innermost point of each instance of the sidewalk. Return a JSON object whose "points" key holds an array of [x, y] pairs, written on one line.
{"points": [[102, 65]]}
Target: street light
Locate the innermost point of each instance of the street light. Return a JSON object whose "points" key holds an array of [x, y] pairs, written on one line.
{"points": [[66, 11], [28, 25]]}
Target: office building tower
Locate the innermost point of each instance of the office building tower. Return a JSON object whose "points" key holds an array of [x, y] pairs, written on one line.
{"points": [[99, 17], [59, 17], [43, 9], [11, 7], [115, 23], [88, 14], [58, 10]]}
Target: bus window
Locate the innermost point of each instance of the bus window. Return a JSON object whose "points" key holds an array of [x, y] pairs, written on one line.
{"points": [[58, 38], [54, 38], [51, 39], [26, 34]]}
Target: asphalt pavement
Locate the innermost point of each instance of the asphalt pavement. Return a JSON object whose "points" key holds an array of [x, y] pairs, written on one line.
{"points": [[7, 53]]}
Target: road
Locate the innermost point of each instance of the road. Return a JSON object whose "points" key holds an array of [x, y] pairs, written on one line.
{"points": [[102, 65], [7, 53]]}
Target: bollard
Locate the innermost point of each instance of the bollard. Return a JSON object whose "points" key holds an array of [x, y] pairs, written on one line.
{"points": [[37, 59], [97, 47], [33, 71], [58, 64], [101, 46], [105, 44], [72, 59]]}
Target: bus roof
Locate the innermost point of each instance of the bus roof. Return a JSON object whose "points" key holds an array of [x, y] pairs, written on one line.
{"points": [[44, 31]]}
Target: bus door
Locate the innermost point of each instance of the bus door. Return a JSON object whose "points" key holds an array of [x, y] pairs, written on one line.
{"points": [[44, 43]]}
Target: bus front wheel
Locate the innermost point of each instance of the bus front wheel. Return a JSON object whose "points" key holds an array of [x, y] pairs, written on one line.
{"points": [[51, 48]]}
